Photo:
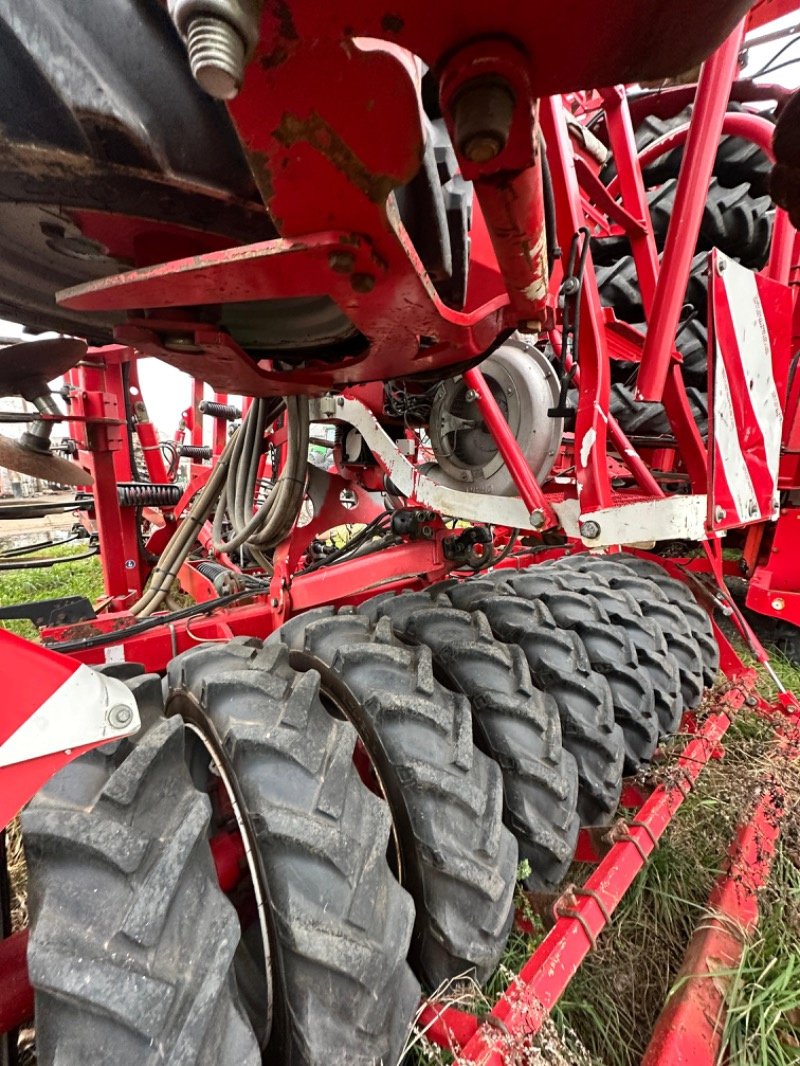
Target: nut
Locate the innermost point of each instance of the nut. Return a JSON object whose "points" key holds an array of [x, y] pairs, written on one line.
{"points": [[119, 716], [482, 117], [537, 518], [341, 262], [590, 530], [362, 282]]}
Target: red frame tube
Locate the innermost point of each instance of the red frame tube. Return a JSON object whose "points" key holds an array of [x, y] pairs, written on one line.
{"points": [[713, 92], [689, 1029], [591, 463], [509, 448], [16, 994]]}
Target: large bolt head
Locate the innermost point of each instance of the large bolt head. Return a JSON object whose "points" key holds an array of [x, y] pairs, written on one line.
{"points": [[119, 716], [482, 114]]}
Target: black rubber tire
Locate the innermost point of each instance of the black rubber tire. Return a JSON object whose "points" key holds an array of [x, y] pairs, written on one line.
{"points": [[457, 859], [619, 287], [131, 940], [734, 221], [560, 666], [682, 596], [737, 160], [342, 924], [655, 605], [514, 723], [638, 419], [674, 624], [611, 652], [647, 637]]}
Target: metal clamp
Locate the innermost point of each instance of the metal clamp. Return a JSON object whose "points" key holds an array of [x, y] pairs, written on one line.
{"points": [[566, 907]]}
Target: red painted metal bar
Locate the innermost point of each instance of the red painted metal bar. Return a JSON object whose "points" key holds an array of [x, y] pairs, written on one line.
{"points": [[759, 131], [220, 431], [689, 1030], [16, 994], [626, 450], [631, 185], [97, 400], [510, 450], [591, 463], [713, 91], [198, 390], [145, 430], [520, 1011]]}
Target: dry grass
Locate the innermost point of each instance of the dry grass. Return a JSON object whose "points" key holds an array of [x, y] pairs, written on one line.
{"points": [[17, 876]]}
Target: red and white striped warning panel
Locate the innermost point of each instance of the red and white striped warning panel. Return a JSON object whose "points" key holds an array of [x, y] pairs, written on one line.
{"points": [[53, 710], [750, 338]]}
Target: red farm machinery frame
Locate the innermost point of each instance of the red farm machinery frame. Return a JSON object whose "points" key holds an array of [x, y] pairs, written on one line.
{"points": [[508, 105]]}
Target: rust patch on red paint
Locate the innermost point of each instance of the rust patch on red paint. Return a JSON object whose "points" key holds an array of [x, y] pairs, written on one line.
{"points": [[315, 131]]}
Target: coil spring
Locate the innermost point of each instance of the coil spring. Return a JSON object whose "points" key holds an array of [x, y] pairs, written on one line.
{"points": [[194, 451], [220, 410], [221, 577], [146, 494]]}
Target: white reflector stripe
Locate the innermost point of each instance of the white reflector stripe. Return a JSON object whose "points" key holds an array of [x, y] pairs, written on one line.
{"points": [[87, 708], [726, 440], [755, 354]]}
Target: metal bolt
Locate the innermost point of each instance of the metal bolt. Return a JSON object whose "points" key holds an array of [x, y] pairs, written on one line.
{"points": [[777, 604], [751, 701], [119, 716], [537, 518], [752, 509], [216, 56], [720, 514], [722, 266], [340, 401], [482, 115], [590, 530], [341, 262], [470, 395], [362, 282]]}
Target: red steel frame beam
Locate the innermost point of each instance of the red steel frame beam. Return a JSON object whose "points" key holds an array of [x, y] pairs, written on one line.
{"points": [[689, 1030], [591, 463], [713, 92], [541, 512]]}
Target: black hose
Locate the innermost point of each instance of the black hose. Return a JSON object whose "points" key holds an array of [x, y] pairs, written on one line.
{"points": [[134, 630]]}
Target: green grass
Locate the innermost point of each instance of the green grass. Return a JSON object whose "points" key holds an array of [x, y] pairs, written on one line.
{"points": [[82, 578], [763, 1023], [609, 1009]]}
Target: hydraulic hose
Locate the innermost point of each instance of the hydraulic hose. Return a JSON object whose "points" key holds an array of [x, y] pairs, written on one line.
{"points": [[231, 489]]}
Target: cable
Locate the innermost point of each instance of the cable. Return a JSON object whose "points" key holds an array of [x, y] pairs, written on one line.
{"points": [[41, 564], [180, 544], [29, 549], [769, 65], [377, 525], [272, 521], [150, 623], [230, 492]]}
